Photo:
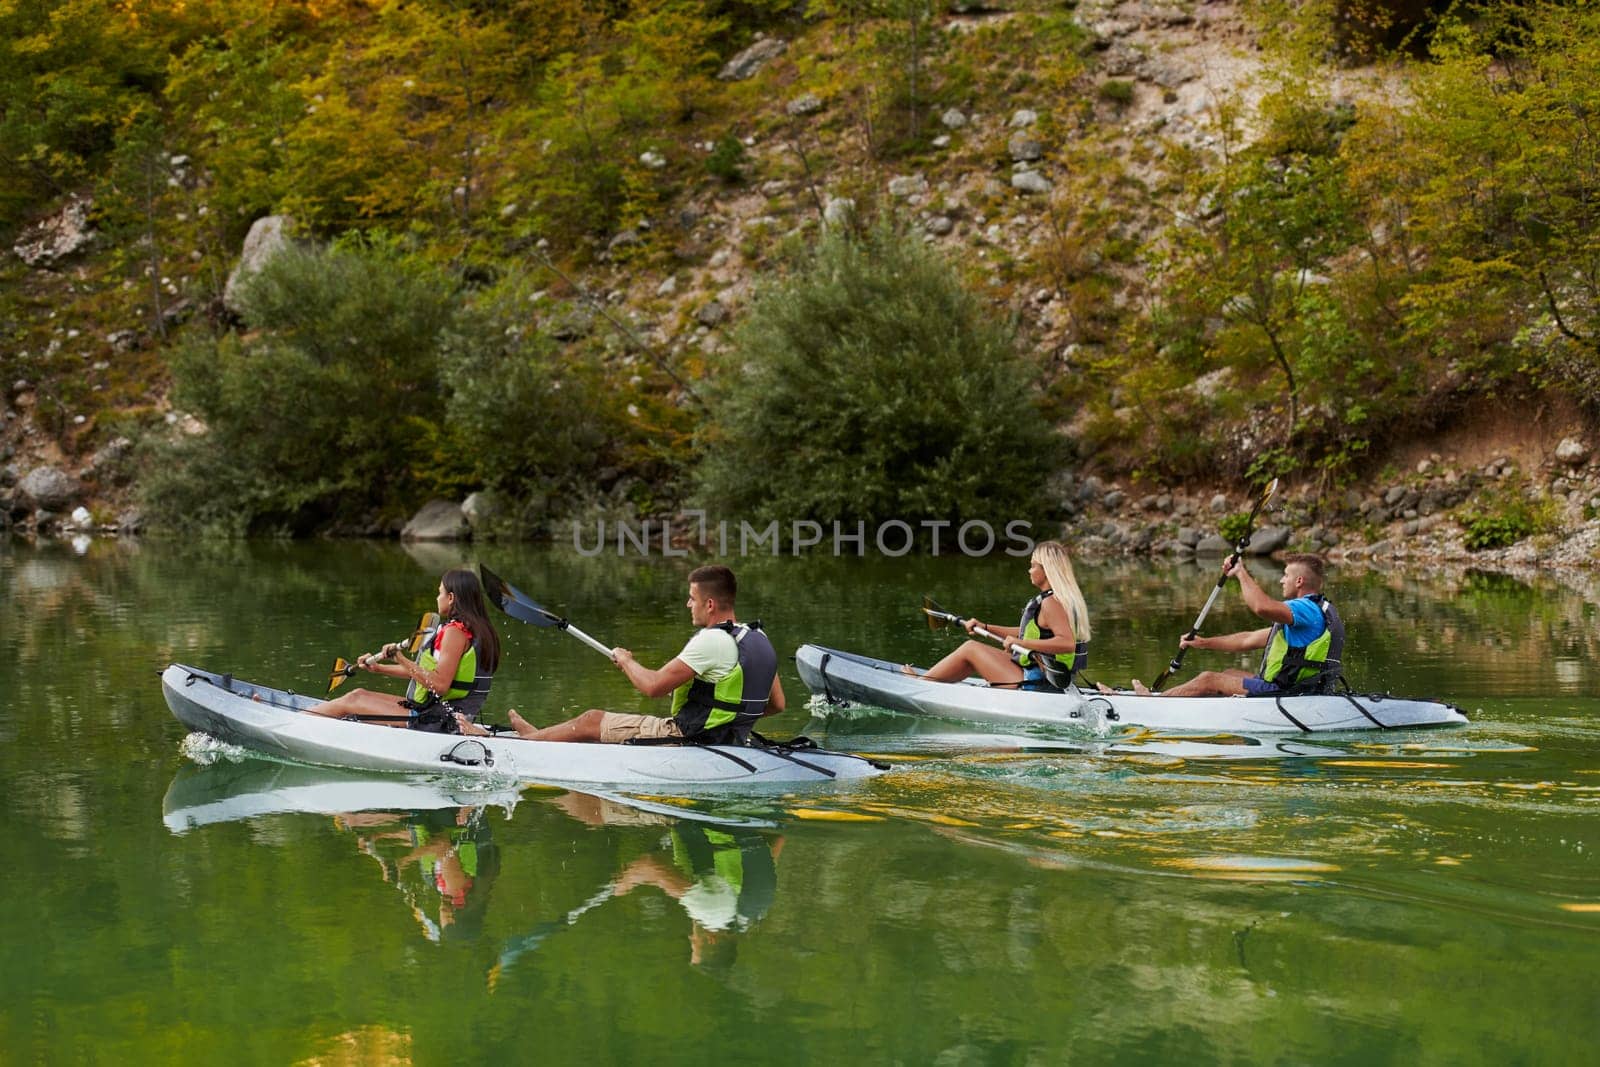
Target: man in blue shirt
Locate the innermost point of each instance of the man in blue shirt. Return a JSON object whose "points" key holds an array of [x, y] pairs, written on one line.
{"points": [[1306, 635]]}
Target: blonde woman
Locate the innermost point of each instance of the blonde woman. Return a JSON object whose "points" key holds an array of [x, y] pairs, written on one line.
{"points": [[1054, 628]]}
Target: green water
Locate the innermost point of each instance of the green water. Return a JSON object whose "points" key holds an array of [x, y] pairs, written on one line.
{"points": [[1425, 897]]}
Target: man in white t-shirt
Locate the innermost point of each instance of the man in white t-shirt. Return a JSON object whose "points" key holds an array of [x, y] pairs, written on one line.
{"points": [[710, 656]]}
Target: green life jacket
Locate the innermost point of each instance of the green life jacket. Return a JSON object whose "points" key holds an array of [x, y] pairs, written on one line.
{"points": [[1030, 630], [742, 859], [726, 710], [468, 689], [1285, 666]]}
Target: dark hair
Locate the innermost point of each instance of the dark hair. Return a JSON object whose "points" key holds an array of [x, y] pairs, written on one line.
{"points": [[716, 582], [1313, 563], [463, 585]]}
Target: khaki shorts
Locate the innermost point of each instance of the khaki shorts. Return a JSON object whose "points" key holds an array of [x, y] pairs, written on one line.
{"points": [[617, 727]]}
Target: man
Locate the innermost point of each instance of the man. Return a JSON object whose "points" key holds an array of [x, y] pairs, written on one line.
{"points": [[1305, 639], [724, 680]]}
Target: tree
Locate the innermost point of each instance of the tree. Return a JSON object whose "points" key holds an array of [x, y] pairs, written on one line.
{"points": [[870, 384]]}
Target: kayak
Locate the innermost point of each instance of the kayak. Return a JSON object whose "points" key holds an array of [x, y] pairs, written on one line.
{"points": [[272, 722], [847, 677], [230, 790]]}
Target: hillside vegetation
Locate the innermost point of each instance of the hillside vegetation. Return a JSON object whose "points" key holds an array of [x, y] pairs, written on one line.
{"points": [[832, 260]]}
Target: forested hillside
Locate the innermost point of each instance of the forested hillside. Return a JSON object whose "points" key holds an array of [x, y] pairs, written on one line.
{"points": [[817, 261]]}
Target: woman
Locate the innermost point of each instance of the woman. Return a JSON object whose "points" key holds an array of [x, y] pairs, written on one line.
{"points": [[1054, 628], [452, 673]]}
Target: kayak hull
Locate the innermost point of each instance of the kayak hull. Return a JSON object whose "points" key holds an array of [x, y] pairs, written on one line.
{"points": [[273, 722], [846, 676]]}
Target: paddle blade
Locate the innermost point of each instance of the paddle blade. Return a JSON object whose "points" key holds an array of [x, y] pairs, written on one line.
{"points": [[342, 670], [429, 621], [513, 602], [938, 618], [1266, 495]]}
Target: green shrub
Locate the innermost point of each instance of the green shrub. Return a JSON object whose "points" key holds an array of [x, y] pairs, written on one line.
{"points": [[1234, 526], [535, 423], [1503, 518], [1117, 91], [312, 417], [871, 385], [726, 160]]}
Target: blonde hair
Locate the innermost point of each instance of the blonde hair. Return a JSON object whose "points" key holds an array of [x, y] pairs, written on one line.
{"points": [[1052, 556]]}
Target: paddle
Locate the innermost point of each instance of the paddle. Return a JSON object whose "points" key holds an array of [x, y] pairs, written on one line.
{"points": [[517, 605], [1238, 551], [343, 668], [938, 619]]}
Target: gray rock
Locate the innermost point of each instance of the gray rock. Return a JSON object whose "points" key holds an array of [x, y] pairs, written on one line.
{"points": [[1188, 536], [953, 119], [711, 315], [1113, 500], [1572, 452], [652, 159], [1213, 545], [268, 236], [1219, 504], [480, 508], [839, 212], [47, 488], [439, 520], [1022, 117], [1030, 181], [747, 63], [1268, 540], [1394, 495], [804, 104], [109, 456], [573, 325], [939, 225], [907, 186], [623, 239], [1381, 548], [1024, 147], [63, 234], [10, 475]]}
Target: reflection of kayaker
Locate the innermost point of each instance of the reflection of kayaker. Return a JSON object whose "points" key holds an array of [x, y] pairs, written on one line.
{"points": [[725, 879], [723, 874], [452, 861]]}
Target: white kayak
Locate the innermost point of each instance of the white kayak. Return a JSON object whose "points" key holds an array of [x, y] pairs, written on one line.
{"points": [[847, 677], [230, 790], [272, 721]]}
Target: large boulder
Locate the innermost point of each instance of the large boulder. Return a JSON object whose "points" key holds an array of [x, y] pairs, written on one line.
{"points": [[1572, 452], [439, 520], [68, 231], [1268, 539], [752, 59], [267, 237], [47, 488]]}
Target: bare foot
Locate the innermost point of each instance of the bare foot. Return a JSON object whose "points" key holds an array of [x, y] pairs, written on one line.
{"points": [[1104, 688], [1140, 688], [906, 668], [522, 726], [468, 727]]}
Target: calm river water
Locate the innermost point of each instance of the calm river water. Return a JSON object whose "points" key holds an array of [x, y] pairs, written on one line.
{"points": [[1423, 897]]}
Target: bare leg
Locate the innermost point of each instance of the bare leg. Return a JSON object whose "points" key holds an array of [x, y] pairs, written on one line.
{"points": [[973, 657], [360, 702], [1210, 684], [585, 727]]}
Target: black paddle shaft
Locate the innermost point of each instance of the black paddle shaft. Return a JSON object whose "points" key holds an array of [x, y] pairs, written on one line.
{"points": [[1222, 579]]}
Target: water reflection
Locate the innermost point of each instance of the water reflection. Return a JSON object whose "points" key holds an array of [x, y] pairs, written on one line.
{"points": [[433, 840], [721, 872]]}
